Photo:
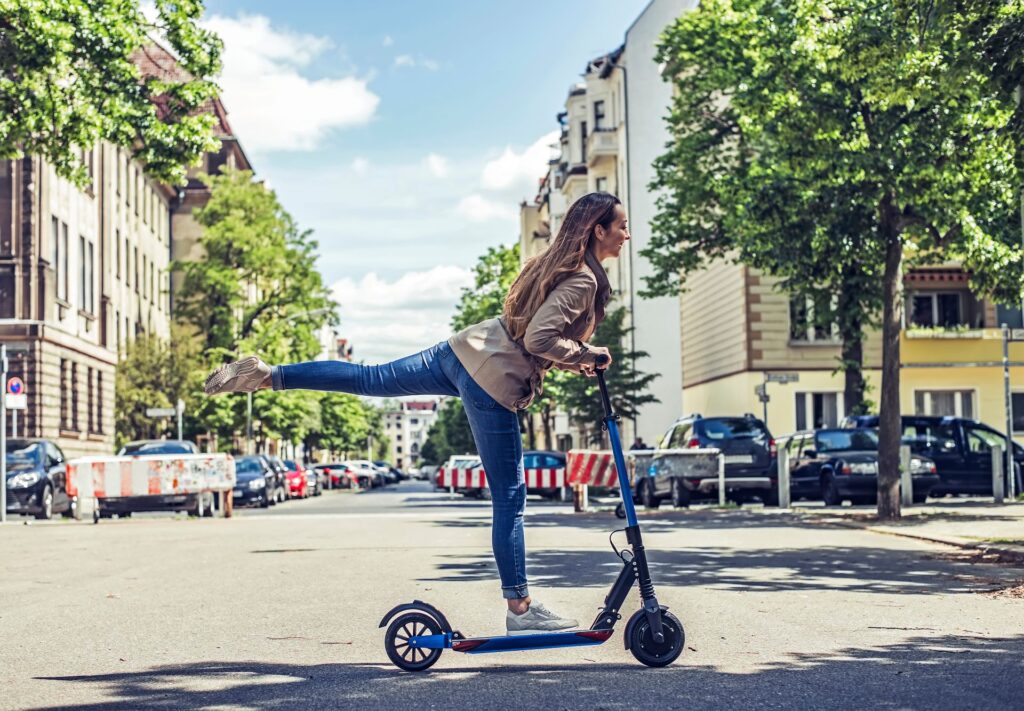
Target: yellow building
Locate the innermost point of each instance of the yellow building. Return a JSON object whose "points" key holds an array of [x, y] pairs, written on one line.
{"points": [[737, 328]]}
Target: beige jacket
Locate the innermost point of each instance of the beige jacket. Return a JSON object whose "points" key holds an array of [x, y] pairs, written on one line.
{"points": [[513, 373]]}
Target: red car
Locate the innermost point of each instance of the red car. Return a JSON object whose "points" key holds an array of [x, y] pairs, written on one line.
{"points": [[339, 474], [298, 485]]}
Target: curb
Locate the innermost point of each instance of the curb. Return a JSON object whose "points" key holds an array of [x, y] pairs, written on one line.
{"points": [[1013, 552]]}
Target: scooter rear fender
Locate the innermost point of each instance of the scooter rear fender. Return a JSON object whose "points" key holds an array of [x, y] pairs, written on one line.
{"points": [[421, 606]]}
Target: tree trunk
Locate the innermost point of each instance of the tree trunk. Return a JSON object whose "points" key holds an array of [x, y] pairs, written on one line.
{"points": [[889, 426], [546, 421]]}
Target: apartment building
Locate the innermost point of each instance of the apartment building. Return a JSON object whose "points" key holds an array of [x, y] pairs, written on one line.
{"points": [[737, 328], [406, 424]]}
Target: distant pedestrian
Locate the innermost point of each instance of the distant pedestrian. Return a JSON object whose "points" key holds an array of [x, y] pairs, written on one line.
{"points": [[638, 444], [497, 367]]}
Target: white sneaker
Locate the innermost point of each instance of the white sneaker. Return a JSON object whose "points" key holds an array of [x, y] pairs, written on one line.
{"points": [[537, 619]]}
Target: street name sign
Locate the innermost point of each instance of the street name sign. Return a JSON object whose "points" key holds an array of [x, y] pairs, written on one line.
{"points": [[161, 412]]}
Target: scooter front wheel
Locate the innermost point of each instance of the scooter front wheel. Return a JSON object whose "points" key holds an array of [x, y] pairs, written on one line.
{"points": [[643, 646], [396, 641]]}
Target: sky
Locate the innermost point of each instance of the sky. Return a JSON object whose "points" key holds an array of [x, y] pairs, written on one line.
{"points": [[405, 134]]}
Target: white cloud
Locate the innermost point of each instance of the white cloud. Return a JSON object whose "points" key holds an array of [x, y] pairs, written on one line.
{"points": [[272, 105], [477, 208], [438, 165], [388, 41], [407, 60], [360, 165], [385, 320], [519, 171]]}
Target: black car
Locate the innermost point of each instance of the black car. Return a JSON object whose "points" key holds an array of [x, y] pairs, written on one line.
{"points": [[37, 479], [839, 464], [279, 474], [961, 449], [159, 446], [254, 482], [394, 473], [750, 462]]}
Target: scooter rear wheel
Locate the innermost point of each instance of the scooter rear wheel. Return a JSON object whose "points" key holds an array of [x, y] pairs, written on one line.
{"points": [[643, 646], [396, 641]]}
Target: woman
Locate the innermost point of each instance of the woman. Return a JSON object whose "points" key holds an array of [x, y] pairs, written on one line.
{"points": [[497, 368]]}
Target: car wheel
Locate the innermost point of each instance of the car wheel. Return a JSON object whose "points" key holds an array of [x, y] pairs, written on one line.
{"points": [[46, 504], [72, 508], [830, 492], [680, 494], [265, 502], [920, 498], [650, 497]]}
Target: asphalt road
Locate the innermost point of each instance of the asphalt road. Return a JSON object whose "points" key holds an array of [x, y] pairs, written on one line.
{"points": [[279, 609]]}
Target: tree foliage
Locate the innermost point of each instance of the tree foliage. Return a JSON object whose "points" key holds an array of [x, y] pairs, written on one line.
{"points": [[492, 276], [627, 386], [70, 77], [449, 434], [829, 141]]}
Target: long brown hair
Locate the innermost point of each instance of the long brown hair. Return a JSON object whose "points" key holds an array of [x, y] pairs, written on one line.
{"points": [[571, 248]]}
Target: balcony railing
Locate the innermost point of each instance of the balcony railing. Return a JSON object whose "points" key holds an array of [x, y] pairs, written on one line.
{"points": [[602, 143]]}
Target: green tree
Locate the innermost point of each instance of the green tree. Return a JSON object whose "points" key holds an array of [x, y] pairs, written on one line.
{"points": [[155, 373], [449, 434], [346, 423], [492, 276], [70, 77], [852, 137], [627, 386]]}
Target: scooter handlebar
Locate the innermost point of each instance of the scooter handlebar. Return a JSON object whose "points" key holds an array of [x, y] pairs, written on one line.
{"points": [[602, 360]]}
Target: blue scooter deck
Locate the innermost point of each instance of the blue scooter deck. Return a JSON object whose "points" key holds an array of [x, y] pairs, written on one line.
{"points": [[523, 642]]}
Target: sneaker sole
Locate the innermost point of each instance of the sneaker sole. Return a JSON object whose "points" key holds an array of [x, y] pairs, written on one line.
{"points": [[574, 628], [219, 382]]}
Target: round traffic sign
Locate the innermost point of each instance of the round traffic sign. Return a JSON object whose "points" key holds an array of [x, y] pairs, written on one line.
{"points": [[15, 386]]}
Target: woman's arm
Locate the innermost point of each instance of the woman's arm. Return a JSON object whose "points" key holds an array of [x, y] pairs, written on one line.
{"points": [[544, 335]]}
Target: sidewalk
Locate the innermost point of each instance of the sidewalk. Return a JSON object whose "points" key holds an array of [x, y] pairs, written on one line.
{"points": [[965, 523]]}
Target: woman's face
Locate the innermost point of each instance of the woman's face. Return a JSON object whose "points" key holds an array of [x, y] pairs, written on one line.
{"points": [[609, 241]]}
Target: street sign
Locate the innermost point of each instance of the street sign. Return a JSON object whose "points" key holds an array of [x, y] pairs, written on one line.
{"points": [[161, 412], [781, 377], [762, 393], [16, 402], [15, 386]]}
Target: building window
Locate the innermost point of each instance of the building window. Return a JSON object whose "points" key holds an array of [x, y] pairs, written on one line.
{"points": [[65, 394], [936, 309], [943, 403], [60, 257], [89, 395], [414, 421], [99, 402], [117, 325], [117, 251], [135, 199], [82, 302], [152, 282], [583, 141], [136, 251], [601, 185], [599, 115], [86, 287], [817, 410], [810, 319], [74, 397], [144, 284]]}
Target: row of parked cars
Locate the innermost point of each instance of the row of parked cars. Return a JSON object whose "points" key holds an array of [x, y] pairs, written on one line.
{"points": [[532, 459], [266, 481], [949, 455]]}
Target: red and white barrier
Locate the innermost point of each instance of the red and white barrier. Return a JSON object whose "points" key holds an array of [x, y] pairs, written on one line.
{"points": [[546, 478], [590, 467], [91, 478]]}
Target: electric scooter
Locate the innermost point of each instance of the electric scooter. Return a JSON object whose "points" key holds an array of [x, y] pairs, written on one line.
{"points": [[418, 632]]}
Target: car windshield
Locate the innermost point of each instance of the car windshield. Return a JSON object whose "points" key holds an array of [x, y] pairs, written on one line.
{"points": [[846, 440], [290, 465], [24, 452], [734, 428], [156, 448], [248, 466]]}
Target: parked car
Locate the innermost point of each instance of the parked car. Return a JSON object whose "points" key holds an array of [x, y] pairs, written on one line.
{"points": [[295, 475], [279, 488], [544, 460], [36, 479], [427, 472], [363, 473], [961, 449], [337, 475], [254, 482], [457, 461], [394, 473], [314, 480], [159, 446], [838, 464], [750, 461], [124, 506]]}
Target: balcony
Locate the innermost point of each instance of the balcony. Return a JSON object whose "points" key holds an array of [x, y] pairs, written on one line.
{"points": [[602, 143]]}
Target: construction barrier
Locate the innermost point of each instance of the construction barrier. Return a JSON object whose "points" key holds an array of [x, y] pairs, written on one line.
{"points": [[93, 478], [476, 478]]}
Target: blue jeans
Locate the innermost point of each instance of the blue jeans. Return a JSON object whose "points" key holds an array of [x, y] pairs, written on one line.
{"points": [[437, 371]]}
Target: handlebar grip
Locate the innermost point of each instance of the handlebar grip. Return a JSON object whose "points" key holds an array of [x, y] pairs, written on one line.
{"points": [[601, 360]]}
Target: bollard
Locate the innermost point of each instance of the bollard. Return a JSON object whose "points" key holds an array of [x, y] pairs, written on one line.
{"points": [[997, 474], [784, 489], [579, 498], [906, 480], [721, 479]]}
